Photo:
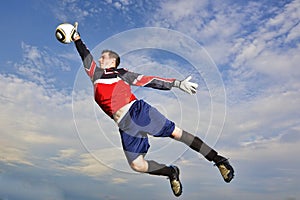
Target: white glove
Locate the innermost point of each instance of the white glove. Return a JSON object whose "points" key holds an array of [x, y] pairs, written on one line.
{"points": [[75, 34], [186, 86]]}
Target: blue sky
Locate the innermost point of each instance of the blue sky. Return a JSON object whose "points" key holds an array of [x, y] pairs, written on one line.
{"points": [[56, 144]]}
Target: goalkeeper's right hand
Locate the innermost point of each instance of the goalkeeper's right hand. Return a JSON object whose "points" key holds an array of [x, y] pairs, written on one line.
{"points": [[75, 35]]}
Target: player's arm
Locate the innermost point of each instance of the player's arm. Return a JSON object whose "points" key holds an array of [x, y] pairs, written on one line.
{"points": [[158, 82], [86, 57], [155, 82]]}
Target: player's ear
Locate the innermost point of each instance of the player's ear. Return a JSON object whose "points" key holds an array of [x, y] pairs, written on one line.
{"points": [[114, 62]]}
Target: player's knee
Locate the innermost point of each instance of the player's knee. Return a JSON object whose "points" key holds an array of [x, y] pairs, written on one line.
{"points": [[177, 133], [139, 166]]}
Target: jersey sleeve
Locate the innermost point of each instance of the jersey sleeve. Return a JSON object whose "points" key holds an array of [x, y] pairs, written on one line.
{"points": [[87, 58], [155, 82]]}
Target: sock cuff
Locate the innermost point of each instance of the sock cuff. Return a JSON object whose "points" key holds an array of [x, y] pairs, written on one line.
{"points": [[155, 168]]}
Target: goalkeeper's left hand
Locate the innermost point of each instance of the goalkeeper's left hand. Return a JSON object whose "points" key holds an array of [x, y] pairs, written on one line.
{"points": [[186, 86]]}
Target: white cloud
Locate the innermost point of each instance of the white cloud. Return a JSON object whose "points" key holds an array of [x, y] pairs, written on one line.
{"points": [[118, 5], [87, 165], [269, 49], [38, 114], [37, 138], [74, 10], [16, 188], [175, 11], [278, 65], [119, 180], [13, 155], [43, 127], [241, 36], [65, 154], [294, 33], [29, 115], [38, 65]]}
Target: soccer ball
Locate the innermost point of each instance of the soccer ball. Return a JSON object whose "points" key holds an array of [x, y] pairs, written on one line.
{"points": [[64, 33]]}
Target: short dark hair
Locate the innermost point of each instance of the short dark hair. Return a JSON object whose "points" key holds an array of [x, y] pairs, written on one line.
{"points": [[113, 54]]}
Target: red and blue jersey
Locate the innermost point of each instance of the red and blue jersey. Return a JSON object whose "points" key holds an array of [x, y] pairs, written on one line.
{"points": [[112, 86]]}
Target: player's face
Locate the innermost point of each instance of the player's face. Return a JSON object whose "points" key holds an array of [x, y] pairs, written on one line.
{"points": [[105, 61]]}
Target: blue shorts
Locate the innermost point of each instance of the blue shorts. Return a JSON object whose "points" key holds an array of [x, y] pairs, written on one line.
{"points": [[141, 120]]}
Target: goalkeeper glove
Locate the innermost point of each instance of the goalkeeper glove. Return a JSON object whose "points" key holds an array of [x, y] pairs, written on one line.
{"points": [[186, 86], [75, 34]]}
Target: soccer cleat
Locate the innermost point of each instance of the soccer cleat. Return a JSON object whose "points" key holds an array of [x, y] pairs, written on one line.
{"points": [[175, 182], [226, 169]]}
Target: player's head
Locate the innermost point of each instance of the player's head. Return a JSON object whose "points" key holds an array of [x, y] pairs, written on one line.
{"points": [[109, 59]]}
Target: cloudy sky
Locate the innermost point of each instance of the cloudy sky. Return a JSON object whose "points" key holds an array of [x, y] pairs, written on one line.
{"points": [[56, 143]]}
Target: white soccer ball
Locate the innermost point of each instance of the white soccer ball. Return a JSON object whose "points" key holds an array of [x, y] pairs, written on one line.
{"points": [[64, 32]]}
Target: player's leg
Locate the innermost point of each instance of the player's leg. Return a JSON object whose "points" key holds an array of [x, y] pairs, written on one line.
{"points": [[209, 153], [139, 164], [135, 147]]}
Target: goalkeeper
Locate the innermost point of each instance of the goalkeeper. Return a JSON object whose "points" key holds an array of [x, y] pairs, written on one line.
{"points": [[136, 118]]}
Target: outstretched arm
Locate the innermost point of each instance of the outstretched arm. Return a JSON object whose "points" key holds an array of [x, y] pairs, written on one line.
{"points": [[158, 82], [86, 57], [155, 82]]}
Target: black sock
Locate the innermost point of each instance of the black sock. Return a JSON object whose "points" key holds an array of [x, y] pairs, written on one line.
{"points": [[198, 145], [155, 168]]}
